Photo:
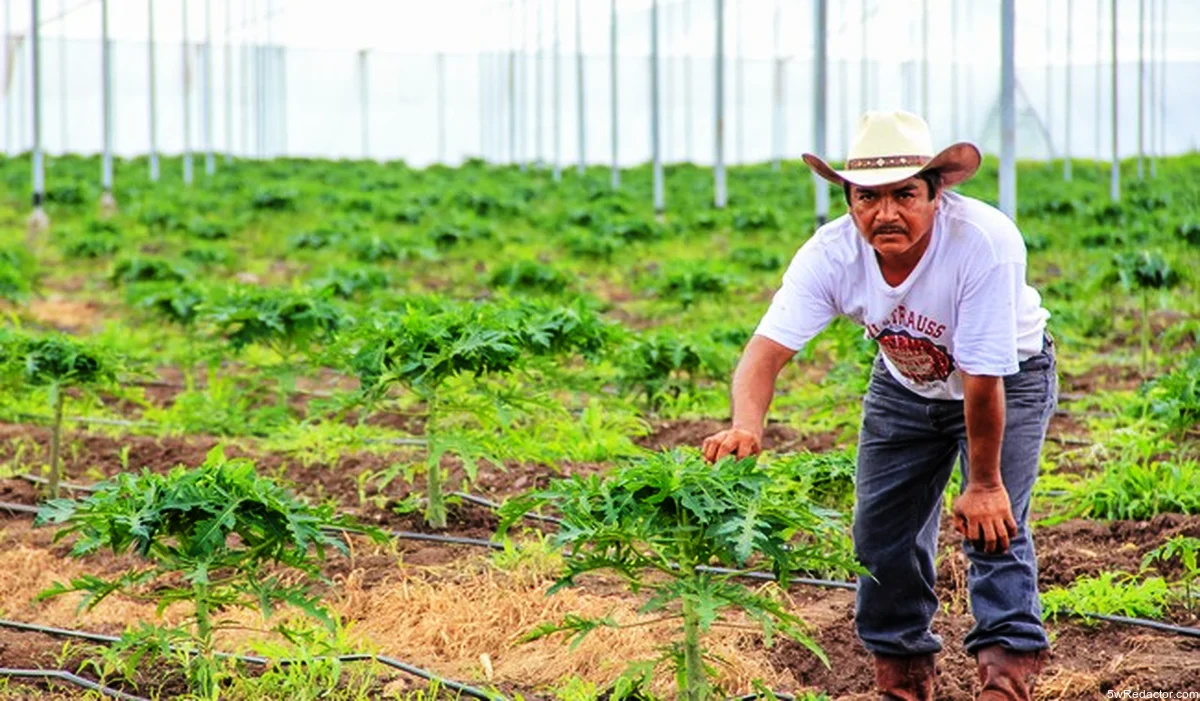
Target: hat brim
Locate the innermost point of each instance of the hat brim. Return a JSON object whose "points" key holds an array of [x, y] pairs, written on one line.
{"points": [[956, 163]]}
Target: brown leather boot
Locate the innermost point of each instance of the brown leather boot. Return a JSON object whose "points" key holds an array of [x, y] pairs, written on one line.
{"points": [[1009, 675], [905, 678]]}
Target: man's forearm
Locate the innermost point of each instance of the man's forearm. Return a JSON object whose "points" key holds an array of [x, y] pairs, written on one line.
{"points": [[753, 388], [983, 409]]}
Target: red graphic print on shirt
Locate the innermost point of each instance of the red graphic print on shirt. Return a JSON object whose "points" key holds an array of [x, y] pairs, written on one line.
{"points": [[918, 359]]}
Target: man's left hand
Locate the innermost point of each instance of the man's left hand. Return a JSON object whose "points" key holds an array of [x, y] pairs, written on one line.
{"points": [[984, 514]]}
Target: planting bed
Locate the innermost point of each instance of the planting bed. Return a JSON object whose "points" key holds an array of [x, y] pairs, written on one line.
{"points": [[317, 318]]}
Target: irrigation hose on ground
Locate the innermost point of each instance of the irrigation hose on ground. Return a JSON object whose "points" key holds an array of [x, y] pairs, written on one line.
{"points": [[762, 576], [251, 659], [65, 676]]}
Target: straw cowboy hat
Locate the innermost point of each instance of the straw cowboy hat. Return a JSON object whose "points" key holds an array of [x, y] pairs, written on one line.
{"points": [[892, 146]]}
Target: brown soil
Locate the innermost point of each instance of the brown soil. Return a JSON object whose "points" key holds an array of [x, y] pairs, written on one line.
{"points": [[1101, 377], [1085, 548], [692, 432], [1085, 662]]}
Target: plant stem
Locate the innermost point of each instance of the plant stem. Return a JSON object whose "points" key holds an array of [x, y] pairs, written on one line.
{"points": [[693, 663], [57, 398], [435, 509], [1145, 331], [204, 678]]}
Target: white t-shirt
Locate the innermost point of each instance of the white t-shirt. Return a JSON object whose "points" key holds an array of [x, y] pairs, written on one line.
{"points": [[964, 307]]}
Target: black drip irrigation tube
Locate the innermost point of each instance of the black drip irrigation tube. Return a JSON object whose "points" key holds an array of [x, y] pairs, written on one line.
{"points": [[151, 425], [250, 659], [760, 576], [64, 676], [471, 498]]}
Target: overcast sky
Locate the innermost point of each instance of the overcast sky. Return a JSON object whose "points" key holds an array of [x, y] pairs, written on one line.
{"points": [[469, 26]]}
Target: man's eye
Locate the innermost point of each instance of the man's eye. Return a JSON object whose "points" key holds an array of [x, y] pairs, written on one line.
{"points": [[905, 195]]}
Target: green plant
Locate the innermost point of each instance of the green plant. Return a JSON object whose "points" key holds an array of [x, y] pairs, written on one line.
{"points": [[1145, 271], [688, 282], [1185, 549], [825, 478], [57, 362], [1107, 594], [663, 365], [18, 270], [145, 269], [425, 346], [1138, 490], [349, 282], [1173, 400], [285, 321], [530, 276], [655, 521], [756, 258], [213, 536], [180, 304]]}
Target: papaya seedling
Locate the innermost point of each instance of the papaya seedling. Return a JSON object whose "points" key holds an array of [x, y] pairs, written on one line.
{"points": [[1145, 271], [59, 363], [286, 321], [659, 522], [423, 347], [179, 304], [663, 366], [214, 536], [1185, 549]]}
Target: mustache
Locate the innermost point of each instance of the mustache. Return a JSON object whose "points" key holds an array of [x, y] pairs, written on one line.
{"points": [[888, 230]]}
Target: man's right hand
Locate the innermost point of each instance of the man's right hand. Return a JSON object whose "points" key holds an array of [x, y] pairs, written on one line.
{"points": [[734, 441]]}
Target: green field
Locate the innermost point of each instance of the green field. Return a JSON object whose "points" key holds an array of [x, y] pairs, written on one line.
{"points": [[380, 340]]}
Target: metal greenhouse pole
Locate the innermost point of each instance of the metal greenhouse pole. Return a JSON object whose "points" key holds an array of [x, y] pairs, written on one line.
{"points": [[925, 59], [1067, 97], [1153, 94], [539, 101], [1141, 113], [441, 107], [1008, 115], [612, 67], [522, 131], [512, 82], [579, 89], [688, 132], [863, 77], [844, 119], [9, 75], [1162, 83], [654, 110], [63, 111], [820, 91], [557, 74], [1049, 70], [108, 203], [210, 164], [153, 96], [1114, 187], [245, 58], [364, 122], [777, 99], [740, 90], [955, 128], [1099, 76], [719, 99], [228, 85], [187, 103], [38, 221]]}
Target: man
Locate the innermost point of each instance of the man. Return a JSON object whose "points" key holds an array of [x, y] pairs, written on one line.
{"points": [[966, 371]]}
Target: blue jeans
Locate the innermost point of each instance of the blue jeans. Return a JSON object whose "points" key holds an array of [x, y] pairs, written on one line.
{"points": [[906, 451]]}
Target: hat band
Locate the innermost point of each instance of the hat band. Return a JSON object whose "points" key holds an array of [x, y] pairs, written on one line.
{"points": [[886, 162]]}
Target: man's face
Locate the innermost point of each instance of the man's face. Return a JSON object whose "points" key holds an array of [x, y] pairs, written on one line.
{"points": [[893, 218]]}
